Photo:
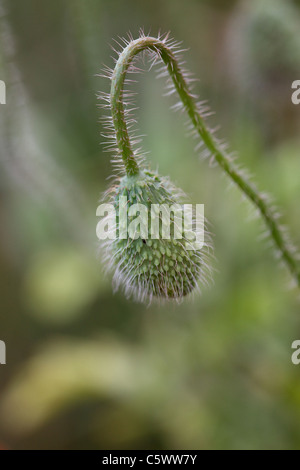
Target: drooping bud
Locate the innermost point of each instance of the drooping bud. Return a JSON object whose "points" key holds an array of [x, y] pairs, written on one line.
{"points": [[153, 256]]}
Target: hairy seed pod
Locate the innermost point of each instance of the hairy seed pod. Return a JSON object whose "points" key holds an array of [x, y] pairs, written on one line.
{"points": [[164, 267]]}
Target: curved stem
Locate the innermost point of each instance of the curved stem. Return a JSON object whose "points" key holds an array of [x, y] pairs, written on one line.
{"points": [[190, 105]]}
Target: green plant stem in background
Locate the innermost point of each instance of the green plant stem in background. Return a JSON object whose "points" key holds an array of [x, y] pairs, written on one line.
{"points": [[287, 252]]}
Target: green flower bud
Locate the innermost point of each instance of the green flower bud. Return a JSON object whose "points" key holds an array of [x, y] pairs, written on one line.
{"points": [[154, 268]]}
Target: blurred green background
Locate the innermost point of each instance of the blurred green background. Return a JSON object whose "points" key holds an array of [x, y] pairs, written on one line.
{"points": [[87, 368]]}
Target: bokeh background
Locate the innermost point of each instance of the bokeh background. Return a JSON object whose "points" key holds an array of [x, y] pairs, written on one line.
{"points": [[89, 369]]}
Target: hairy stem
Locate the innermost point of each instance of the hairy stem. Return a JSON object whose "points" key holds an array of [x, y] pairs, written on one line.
{"points": [[216, 150]]}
